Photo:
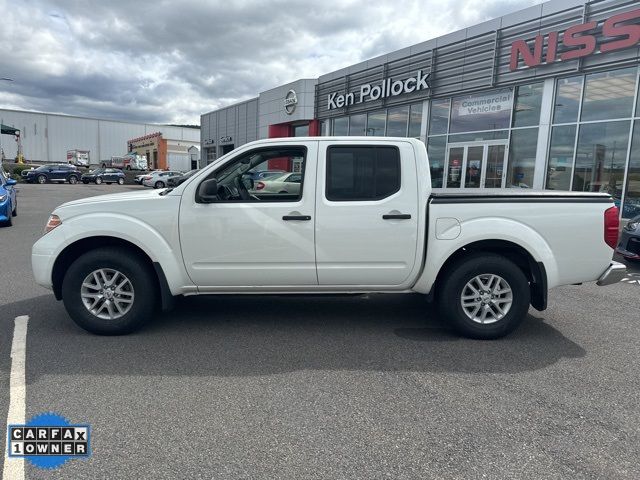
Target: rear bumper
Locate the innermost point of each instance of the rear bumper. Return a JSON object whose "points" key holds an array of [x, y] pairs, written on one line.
{"points": [[613, 274]]}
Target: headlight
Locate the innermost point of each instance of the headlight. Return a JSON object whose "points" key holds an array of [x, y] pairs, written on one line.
{"points": [[632, 225], [3, 197], [53, 222]]}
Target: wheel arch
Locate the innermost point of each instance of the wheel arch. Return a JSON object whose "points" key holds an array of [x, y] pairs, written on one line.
{"points": [[76, 249], [534, 270]]}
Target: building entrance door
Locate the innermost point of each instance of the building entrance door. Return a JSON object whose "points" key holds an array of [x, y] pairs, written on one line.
{"points": [[476, 165]]}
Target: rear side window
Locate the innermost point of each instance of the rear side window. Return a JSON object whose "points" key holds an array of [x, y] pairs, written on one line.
{"points": [[362, 173]]}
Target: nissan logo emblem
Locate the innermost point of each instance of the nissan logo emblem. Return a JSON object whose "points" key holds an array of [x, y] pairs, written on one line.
{"points": [[290, 102]]}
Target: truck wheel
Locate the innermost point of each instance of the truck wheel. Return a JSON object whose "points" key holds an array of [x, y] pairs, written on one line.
{"points": [[98, 180], [73, 179], [121, 181], [484, 296], [41, 179], [106, 291]]}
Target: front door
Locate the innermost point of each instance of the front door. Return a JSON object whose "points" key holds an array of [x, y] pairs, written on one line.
{"points": [[246, 237], [476, 165]]}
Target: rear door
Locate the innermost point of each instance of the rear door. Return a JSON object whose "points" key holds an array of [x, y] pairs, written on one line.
{"points": [[366, 213]]}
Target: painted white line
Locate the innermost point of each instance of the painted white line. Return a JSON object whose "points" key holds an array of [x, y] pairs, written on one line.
{"points": [[14, 467]]}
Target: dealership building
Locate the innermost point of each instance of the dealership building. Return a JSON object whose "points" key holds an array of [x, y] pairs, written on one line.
{"points": [[543, 98]]}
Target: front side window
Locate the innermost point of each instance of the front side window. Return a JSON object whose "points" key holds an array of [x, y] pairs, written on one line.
{"points": [[356, 173], [237, 179]]}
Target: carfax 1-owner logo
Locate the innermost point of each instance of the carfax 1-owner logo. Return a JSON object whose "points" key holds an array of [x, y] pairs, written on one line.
{"points": [[48, 440]]}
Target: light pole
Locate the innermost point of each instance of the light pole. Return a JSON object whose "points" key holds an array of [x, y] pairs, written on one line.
{"points": [[1, 120]]}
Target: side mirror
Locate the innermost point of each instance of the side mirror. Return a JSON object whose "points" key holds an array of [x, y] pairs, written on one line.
{"points": [[208, 191], [10, 182]]}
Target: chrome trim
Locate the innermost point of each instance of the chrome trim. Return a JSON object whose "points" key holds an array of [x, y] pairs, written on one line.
{"points": [[613, 274]]}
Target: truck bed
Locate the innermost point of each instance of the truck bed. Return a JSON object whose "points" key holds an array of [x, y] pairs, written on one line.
{"points": [[516, 195]]}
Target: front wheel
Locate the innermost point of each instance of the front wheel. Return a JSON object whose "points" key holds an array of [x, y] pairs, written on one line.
{"points": [[108, 291], [14, 213], [484, 296], [159, 185]]}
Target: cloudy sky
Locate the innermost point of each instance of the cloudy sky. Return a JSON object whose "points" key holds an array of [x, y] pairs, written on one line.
{"points": [[168, 62]]}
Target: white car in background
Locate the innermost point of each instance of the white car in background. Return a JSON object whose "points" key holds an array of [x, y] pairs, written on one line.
{"points": [[140, 177], [286, 183], [159, 179]]}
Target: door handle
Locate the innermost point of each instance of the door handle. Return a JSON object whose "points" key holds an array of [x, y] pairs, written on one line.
{"points": [[396, 216], [301, 218]]}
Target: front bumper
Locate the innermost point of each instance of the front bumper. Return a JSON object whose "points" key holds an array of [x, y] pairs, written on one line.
{"points": [[613, 274]]}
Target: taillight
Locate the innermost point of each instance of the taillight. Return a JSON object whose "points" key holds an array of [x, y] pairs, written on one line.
{"points": [[260, 185], [611, 226]]}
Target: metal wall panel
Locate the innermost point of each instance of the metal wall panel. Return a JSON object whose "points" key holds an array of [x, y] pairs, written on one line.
{"points": [[478, 58]]}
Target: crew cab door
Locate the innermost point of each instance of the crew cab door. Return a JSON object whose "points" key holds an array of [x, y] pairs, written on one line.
{"points": [[246, 238], [366, 213]]}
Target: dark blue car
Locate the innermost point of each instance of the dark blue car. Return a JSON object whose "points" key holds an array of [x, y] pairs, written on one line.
{"points": [[104, 175], [52, 173], [8, 200]]}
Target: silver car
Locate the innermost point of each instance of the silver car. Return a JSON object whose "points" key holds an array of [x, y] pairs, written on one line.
{"points": [[159, 179]]}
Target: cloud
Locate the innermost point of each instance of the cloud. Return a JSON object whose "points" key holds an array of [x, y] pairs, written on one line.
{"points": [[169, 62]]}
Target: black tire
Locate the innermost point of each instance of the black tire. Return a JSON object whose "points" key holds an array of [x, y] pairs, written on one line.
{"points": [[73, 179], [455, 279], [121, 181], [104, 165], [86, 182], [14, 213], [136, 270], [8, 222], [98, 180], [41, 179], [159, 184]]}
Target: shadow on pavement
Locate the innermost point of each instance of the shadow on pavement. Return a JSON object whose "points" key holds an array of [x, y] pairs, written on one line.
{"points": [[247, 335]]}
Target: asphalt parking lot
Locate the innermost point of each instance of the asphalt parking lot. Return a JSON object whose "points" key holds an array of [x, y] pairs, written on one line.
{"points": [[345, 387]]}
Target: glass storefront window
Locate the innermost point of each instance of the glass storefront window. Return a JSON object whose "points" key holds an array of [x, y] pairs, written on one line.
{"points": [[568, 96], [375, 123], [522, 158], [301, 130], [439, 116], [609, 95], [324, 127], [415, 120], [397, 120], [481, 111], [341, 126], [559, 168], [436, 147], [526, 112], [480, 136], [631, 207], [358, 125], [601, 158]]}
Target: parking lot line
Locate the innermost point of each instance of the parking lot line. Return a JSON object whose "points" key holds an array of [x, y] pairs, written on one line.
{"points": [[14, 469]]}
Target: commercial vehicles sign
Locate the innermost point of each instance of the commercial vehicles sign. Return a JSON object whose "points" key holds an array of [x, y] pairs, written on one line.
{"points": [[387, 88], [617, 32]]}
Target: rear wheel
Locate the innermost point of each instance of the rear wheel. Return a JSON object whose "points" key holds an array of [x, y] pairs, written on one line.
{"points": [[484, 296], [107, 291], [98, 180], [73, 179], [121, 181], [159, 184], [86, 182]]}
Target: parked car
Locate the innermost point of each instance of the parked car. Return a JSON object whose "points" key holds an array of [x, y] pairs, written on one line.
{"points": [[629, 244], [159, 179], [52, 173], [287, 183], [365, 220], [8, 200], [138, 178], [175, 181], [104, 175], [257, 175]]}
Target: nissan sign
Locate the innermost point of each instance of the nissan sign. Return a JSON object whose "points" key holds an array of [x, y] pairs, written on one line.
{"points": [[387, 88], [290, 102], [618, 32]]}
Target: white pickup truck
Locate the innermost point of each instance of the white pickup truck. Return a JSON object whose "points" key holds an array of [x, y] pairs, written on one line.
{"points": [[365, 219]]}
